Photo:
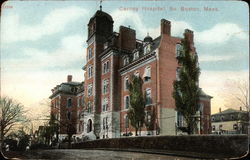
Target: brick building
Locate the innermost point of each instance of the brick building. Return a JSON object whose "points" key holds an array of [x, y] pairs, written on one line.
{"points": [[67, 102], [112, 58]]}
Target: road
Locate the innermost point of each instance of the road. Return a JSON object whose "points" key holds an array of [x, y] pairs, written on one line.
{"points": [[95, 155]]}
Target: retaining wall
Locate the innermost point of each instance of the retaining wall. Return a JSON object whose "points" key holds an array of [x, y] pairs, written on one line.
{"points": [[206, 146]]}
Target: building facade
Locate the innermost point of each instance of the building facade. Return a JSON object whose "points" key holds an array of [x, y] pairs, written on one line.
{"points": [[112, 58], [67, 103], [230, 121]]}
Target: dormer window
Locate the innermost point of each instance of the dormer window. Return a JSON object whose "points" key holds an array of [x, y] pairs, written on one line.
{"points": [[147, 49], [136, 55], [125, 61], [105, 45], [178, 50]]}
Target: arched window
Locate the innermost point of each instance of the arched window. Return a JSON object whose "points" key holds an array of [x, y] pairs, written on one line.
{"points": [[69, 102], [126, 83], [126, 102], [89, 126]]}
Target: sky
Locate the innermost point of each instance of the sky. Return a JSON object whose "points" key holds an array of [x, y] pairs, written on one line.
{"points": [[44, 41]]}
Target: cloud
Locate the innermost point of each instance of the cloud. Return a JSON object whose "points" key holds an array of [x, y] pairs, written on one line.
{"points": [[177, 27], [211, 58], [220, 33], [12, 29], [71, 50]]}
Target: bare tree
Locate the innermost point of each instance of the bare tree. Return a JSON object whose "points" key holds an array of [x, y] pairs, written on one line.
{"points": [[11, 113], [239, 94]]}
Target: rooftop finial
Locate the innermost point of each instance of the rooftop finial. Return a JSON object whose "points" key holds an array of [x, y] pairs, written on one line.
{"points": [[147, 34], [100, 5]]}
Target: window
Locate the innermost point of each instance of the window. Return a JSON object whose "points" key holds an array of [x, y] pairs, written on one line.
{"points": [[235, 126], [68, 115], [148, 96], [105, 45], [126, 102], [179, 120], [126, 122], [213, 128], [213, 119], [147, 74], [147, 49], [90, 53], [137, 74], [89, 107], [232, 117], [126, 83], [178, 73], [105, 104], [105, 123], [105, 85], [222, 118], [105, 67], [69, 102], [90, 71], [178, 50], [78, 101], [125, 61], [136, 55], [90, 90], [201, 108]]}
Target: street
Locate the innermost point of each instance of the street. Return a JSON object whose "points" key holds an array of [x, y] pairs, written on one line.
{"points": [[93, 154]]}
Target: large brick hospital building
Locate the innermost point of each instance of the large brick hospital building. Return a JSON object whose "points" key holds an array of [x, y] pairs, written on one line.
{"points": [[100, 103]]}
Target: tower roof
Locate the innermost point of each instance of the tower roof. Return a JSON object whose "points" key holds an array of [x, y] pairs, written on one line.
{"points": [[148, 39], [101, 14]]}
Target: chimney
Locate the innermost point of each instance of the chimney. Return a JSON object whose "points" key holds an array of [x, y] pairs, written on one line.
{"points": [[240, 108], [127, 38], [165, 27], [190, 36], [69, 78], [220, 110]]}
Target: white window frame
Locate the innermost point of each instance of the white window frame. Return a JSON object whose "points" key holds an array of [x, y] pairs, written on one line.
{"points": [[105, 104], [178, 73], [147, 49], [90, 71], [90, 53], [126, 83], [147, 72], [69, 99], [136, 55], [125, 102], [105, 67], [148, 94], [125, 61], [178, 48], [137, 74], [90, 90], [105, 86]]}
